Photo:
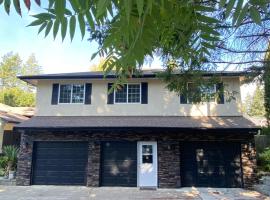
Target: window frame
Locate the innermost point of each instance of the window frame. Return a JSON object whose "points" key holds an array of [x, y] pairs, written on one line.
{"points": [[215, 101], [128, 93], [70, 101]]}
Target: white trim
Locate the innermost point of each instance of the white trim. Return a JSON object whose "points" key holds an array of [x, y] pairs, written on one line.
{"points": [[70, 101], [127, 95]]}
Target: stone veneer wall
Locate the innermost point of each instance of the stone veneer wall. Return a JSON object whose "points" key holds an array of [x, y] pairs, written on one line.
{"points": [[249, 163], [168, 152]]}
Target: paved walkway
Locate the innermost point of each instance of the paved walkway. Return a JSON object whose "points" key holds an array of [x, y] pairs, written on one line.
{"points": [[109, 193]]}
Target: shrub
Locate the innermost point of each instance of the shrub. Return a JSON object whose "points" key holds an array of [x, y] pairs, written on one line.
{"points": [[264, 160], [265, 131], [11, 152], [3, 165]]}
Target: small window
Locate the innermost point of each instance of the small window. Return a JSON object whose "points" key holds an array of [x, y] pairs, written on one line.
{"points": [[129, 93], [69, 93]]}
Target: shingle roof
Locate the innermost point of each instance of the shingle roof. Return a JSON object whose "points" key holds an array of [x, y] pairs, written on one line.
{"points": [[100, 75], [15, 114], [137, 121], [12, 117]]}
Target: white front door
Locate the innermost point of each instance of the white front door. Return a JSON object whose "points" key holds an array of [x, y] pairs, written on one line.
{"points": [[147, 164]]}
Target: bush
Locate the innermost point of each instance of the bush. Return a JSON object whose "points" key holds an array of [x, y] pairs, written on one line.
{"points": [[3, 165], [264, 160], [265, 131], [11, 152]]}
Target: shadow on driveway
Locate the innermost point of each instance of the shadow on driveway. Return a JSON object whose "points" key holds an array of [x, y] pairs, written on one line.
{"points": [[120, 193]]}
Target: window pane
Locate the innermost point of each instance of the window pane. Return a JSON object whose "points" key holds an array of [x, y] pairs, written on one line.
{"points": [[208, 92], [147, 149], [147, 159], [77, 93], [134, 91], [121, 95], [193, 93], [65, 94]]}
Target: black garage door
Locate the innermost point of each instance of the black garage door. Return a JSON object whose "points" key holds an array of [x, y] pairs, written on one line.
{"points": [[119, 164], [59, 163], [211, 164]]}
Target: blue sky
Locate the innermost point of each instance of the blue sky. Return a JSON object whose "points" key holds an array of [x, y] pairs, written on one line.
{"points": [[53, 55]]}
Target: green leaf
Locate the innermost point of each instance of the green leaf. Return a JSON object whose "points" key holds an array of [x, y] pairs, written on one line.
{"points": [[64, 28], [209, 30], [255, 15], [36, 22], [209, 38], [237, 11], [60, 6], [242, 15], [72, 26], [51, 3], [56, 27], [208, 45], [229, 8], [205, 8], [90, 20], [44, 16], [17, 6], [75, 5], [68, 12], [7, 6], [140, 4], [1, 1], [206, 19], [101, 7], [48, 28], [82, 24], [94, 55], [42, 27], [128, 6], [222, 3]]}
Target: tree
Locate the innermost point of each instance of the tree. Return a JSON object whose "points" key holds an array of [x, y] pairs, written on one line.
{"points": [[256, 106], [15, 92], [17, 97], [97, 67], [266, 79], [31, 66], [189, 36], [9, 69]]}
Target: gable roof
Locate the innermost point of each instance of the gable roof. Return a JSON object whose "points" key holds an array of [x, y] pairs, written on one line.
{"points": [[100, 75], [58, 122]]}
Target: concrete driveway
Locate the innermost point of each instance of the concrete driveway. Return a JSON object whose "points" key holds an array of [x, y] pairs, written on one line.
{"points": [[104, 193]]}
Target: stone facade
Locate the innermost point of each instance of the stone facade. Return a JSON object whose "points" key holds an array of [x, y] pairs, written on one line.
{"points": [[249, 164], [168, 151]]}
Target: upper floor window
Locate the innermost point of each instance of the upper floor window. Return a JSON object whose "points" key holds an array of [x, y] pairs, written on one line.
{"points": [[205, 93], [129, 93], [71, 93]]}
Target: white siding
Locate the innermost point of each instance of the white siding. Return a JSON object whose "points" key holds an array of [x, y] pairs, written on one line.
{"points": [[161, 102]]}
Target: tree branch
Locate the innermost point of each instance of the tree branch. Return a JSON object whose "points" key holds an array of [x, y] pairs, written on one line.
{"points": [[244, 51], [238, 63]]}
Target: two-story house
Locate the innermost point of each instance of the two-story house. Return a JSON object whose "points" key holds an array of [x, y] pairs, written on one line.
{"points": [[142, 135]]}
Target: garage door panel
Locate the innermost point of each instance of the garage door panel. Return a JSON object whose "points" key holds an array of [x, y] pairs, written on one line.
{"points": [[60, 163], [119, 164], [211, 164]]}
